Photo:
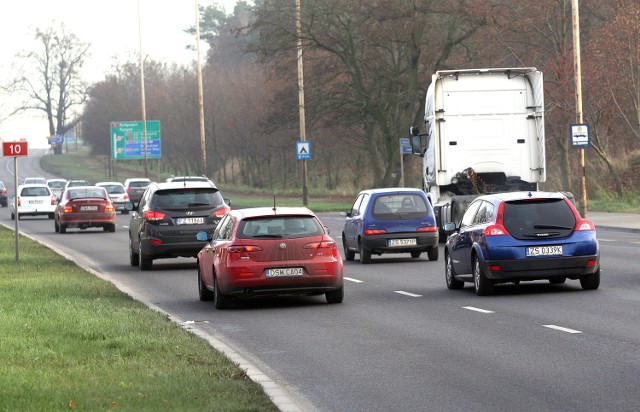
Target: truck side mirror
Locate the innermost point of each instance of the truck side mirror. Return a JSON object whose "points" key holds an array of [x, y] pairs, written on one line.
{"points": [[416, 145], [414, 130]]}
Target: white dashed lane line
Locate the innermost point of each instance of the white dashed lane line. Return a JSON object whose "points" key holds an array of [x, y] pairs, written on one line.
{"points": [[561, 329], [402, 292], [477, 309], [352, 280]]}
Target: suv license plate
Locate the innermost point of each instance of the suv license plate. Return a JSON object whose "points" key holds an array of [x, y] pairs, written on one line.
{"points": [[190, 221], [283, 272], [402, 242], [544, 251]]}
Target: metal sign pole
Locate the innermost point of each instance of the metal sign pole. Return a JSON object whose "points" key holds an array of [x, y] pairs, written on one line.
{"points": [[15, 206]]}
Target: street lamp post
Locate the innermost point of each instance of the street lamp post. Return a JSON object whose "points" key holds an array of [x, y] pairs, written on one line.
{"points": [[578, 81], [203, 144], [142, 96]]}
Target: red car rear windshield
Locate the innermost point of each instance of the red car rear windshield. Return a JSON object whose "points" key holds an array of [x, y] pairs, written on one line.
{"points": [[279, 227]]}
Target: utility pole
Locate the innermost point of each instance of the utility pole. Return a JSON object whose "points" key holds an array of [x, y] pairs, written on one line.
{"points": [[142, 96], [578, 81], [203, 143], [303, 133]]}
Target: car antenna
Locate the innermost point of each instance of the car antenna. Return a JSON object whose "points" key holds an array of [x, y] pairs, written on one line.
{"points": [[274, 204]]}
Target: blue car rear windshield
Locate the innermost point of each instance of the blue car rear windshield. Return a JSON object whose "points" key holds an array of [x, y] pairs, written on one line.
{"points": [[401, 206]]}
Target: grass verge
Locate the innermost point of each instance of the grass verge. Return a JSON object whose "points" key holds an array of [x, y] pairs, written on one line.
{"points": [[72, 341]]}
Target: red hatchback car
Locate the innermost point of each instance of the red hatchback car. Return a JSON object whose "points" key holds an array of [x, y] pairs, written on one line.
{"points": [[83, 207], [269, 252]]}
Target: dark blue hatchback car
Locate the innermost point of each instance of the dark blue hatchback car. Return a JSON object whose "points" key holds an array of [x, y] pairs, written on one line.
{"points": [[521, 236], [393, 220]]}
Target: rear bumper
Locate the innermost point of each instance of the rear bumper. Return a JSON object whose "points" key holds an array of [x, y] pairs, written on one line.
{"points": [[532, 269], [169, 250], [380, 243], [96, 220]]}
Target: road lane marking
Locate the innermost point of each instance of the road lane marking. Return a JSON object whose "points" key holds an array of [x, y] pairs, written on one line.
{"points": [[477, 309], [560, 328], [402, 292], [352, 280]]}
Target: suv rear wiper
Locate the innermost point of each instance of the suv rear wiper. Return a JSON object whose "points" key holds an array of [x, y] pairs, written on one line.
{"points": [[198, 204]]}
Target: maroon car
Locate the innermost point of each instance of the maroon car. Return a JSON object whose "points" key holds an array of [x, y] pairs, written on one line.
{"points": [[269, 252], [83, 207]]}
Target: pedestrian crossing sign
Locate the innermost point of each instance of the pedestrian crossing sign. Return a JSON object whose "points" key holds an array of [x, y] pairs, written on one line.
{"points": [[303, 150]]}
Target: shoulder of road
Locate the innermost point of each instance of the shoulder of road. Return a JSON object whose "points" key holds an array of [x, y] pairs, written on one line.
{"points": [[627, 222]]}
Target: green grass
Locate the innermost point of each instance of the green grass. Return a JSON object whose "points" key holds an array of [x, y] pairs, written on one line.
{"points": [[72, 341]]}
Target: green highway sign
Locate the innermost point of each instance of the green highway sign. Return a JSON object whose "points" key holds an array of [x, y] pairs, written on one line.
{"points": [[127, 140]]}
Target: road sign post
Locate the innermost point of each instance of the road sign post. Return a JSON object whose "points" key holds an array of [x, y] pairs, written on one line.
{"points": [[16, 149]]}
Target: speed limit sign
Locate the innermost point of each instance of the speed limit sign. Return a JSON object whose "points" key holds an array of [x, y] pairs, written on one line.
{"points": [[15, 149]]}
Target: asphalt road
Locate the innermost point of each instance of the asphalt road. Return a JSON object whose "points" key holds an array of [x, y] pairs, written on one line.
{"points": [[401, 341]]}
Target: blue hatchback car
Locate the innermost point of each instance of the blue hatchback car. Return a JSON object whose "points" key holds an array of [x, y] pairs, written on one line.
{"points": [[521, 236], [393, 220]]}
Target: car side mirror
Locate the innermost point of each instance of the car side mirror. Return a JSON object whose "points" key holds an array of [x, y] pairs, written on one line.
{"points": [[228, 202], [449, 227], [345, 214], [130, 206]]}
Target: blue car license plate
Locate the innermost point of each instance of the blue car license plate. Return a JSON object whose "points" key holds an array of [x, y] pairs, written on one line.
{"points": [[544, 250]]}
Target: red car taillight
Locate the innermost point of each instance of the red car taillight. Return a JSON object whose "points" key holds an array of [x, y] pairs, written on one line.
{"points": [[581, 224], [18, 200], [427, 229], [370, 232], [221, 212], [246, 248], [67, 209], [497, 229], [109, 208], [53, 200], [153, 216]]}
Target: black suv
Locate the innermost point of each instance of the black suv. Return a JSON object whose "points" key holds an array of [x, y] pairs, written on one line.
{"points": [[165, 222]]}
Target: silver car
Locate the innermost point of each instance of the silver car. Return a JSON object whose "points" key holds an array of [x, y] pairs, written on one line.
{"points": [[117, 194]]}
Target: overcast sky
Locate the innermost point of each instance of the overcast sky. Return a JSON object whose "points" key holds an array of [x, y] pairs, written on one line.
{"points": [[110, 26]]}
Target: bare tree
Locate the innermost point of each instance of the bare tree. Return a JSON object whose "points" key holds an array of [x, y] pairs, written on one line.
{"points": [[50, 79]]}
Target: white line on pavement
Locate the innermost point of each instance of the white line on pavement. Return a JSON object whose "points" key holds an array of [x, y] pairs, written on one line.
{"points": [[352, 280], [413, 295], [560, 328], [477, 309]]}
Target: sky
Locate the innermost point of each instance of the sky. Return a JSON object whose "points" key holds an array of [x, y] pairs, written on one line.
{"points": [[109, 26]]}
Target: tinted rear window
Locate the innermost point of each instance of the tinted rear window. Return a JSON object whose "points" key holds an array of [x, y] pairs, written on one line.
{"points": [[138, 184], [35, 191], [279, 227], [187, 198], [114, 188], [84, 193], [526, 219], [400, 206]]}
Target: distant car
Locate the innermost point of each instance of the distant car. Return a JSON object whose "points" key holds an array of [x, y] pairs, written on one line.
{"points": [[269, 252], [391, 220], [83, 207], [521, 236], [56, 186], [165, 222], [117, 194], [135, 187], [35, 181], [76, 183], [188, 179], [34, 200], [4, 199]]}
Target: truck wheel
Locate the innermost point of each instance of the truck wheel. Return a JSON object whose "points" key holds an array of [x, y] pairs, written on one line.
{"points": [[450, 274], [483, 285]]}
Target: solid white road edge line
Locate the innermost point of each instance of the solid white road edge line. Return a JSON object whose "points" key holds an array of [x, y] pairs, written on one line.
{"points": [[352, 280], [402, 292], [560, 328], [477, 309]]}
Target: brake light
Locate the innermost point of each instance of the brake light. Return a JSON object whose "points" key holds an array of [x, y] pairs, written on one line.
{"points": [[153, 216], [109, 207], [326, 244], [221, 212], [497, 229], [370, 232], [584, 225], [18, 200], [67, 209], [155, 241], [428, 229], [53, 200], [125, 197], [246, 248], [3, 190], [581, 224]]}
